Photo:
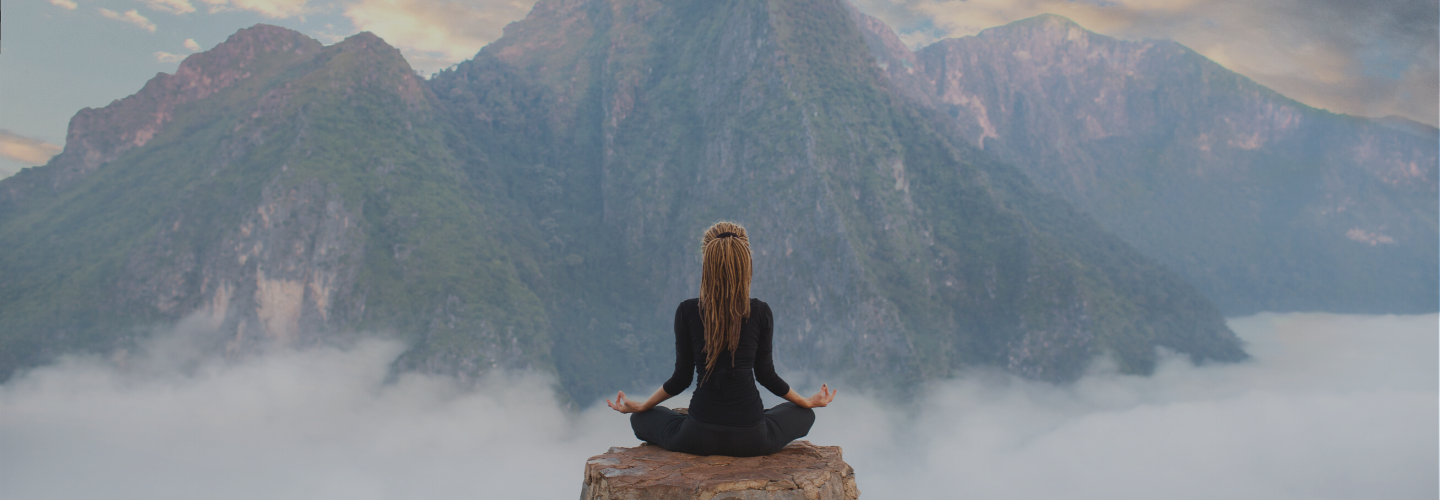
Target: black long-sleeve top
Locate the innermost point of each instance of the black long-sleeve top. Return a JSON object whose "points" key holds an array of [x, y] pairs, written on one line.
{"points": [[727, 396]]}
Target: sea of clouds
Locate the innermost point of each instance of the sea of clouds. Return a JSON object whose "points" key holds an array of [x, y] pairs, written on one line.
{"points": [[1331, 406]]}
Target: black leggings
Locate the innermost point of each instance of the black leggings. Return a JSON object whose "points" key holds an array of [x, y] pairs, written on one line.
{"points": [[673, 431]]}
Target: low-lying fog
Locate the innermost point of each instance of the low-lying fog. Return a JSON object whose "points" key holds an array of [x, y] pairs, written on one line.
{"points": [[1332, 406]]}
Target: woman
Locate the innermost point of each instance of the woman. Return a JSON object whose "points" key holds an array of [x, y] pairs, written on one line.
{"points": [[725, 336]]}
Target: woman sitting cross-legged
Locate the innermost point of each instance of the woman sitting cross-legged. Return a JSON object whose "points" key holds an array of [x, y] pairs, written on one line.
{"points": [[725, 336]]}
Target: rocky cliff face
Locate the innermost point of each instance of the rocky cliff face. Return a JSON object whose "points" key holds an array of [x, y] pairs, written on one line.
{"points": [[1260, 201], [540, 207]]}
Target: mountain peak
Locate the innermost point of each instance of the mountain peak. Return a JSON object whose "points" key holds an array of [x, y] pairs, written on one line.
{"points": [[1047, 20], [90, 142], [375, 50], [1044, 23], [234, 57], [248, 44], [1044, 26], [1406, 125], [267, 36], [1046, 29], [362, 39]]}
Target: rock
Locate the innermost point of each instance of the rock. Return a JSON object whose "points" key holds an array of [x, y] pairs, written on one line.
{"points": [[800, 471]]}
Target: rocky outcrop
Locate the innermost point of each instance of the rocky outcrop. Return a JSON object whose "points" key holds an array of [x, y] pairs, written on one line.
{"points": [[801, 471]]}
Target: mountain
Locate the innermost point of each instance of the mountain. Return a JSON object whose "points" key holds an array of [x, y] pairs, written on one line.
{"points": [[539, 207], [883, 246], [286, 191], [1261, 202]]}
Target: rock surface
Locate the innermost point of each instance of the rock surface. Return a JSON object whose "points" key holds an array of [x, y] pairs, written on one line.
{"points": [[800, 471]]}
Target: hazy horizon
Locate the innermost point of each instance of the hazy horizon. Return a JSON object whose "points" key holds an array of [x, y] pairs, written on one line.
{"points": [[1331, 406]]}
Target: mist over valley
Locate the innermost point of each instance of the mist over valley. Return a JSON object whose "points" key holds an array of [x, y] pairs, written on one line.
{"points": [[1330, 406]]}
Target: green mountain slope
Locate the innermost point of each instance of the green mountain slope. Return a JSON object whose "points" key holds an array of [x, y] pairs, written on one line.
{"points": [[310, 193]]}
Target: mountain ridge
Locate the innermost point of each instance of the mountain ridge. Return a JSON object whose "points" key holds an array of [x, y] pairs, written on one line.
{"points": [[1286, 207], [237, 220]]}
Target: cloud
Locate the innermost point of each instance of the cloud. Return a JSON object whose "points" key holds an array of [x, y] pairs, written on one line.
{"points": [[64, 4], [171, 6], [273, 9], [130, 16], [436, 33], [312, 424], [1331, 407], [26, 150], [166, 57], [1370, 59]]}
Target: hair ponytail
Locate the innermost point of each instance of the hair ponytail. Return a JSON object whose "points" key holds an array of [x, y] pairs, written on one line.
{"points": [[724, 289]]}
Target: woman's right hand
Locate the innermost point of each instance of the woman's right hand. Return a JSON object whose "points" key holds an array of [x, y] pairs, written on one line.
{"points": [[820, 399]]}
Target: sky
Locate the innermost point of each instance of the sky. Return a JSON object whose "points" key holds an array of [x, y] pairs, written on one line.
{"points": [[1330, 406], [59, 56]]}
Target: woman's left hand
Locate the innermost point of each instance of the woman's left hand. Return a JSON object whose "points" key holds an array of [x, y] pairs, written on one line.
{"points": [[823, 398], [624, 405]]}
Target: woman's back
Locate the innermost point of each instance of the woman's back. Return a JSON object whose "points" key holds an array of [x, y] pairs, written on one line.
{"points": [[726, 395]]}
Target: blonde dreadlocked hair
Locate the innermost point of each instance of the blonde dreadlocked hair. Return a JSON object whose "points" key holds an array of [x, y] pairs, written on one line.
{"points": [[724, 289]]}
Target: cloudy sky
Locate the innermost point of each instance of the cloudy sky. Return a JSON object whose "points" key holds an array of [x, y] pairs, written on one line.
{"points": [[58, 56]]}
